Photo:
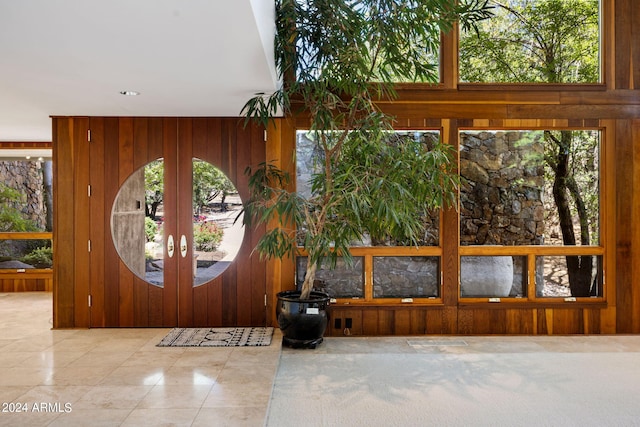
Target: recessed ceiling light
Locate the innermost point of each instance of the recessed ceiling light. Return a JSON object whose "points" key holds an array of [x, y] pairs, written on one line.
{"points": [[129, 92]]}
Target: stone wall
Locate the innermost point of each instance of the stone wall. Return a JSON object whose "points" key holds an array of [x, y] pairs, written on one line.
{"points": [[501, 203], [26, 177], [501, 193]]}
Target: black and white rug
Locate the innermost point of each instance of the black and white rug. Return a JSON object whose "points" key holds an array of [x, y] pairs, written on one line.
{"points": [[217, 337]]}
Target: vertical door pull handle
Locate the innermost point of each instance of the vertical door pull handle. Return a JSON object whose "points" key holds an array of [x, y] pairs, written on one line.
{"points": [[183, 246], [170, 247]]}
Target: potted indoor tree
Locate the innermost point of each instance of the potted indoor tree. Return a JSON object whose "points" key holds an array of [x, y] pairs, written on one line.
{"points": [[338, 59]]}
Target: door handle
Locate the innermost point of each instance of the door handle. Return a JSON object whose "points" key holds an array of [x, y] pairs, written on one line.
{"points": [[170, 247], [183, 246]]}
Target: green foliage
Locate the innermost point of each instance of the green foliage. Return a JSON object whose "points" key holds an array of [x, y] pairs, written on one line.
{"points": [[11, 218], [209, 183], [328, 52], [150, 229], [543, 41], [41, 257], [153, 187], [207, 236], [550, 41]]}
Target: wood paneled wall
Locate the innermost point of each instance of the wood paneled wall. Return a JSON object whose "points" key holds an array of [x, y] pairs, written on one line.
{"points": [[21, 282], [613, 106], [117, 147]]}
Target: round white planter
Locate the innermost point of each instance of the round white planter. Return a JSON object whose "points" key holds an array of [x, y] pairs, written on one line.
{"points": [[486, 276]]}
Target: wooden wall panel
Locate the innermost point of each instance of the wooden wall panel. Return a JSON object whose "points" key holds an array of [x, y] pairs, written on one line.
{"points": [[435, 321], [519, 322], [98, 219], [111, 279], [64, 224], [82, 224], [625, 224], [22, 284], [120, 146], [623, 39], [627, 230], [185, 219], [241, 153]]}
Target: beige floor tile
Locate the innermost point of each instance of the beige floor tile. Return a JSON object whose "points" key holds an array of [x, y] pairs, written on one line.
{"points": [[54, 394], [50, 359], [75, 343], [190, 375], [175, 396], [18, 376], [11, 393], [161, 417], [134, 375], [113, 377], [27, 419], [113, 397], [247, 374], [155, 358], [79, 375], [10, 359], [204, 357], [234, 395], [119, 344], [104, 358], [254, 355], [92, 417], [247, 416]]}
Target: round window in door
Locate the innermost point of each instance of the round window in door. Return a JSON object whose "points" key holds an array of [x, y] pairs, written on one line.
{"points": [[217, 222], [146, 246]]}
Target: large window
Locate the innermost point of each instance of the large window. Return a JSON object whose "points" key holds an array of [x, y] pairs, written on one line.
{"points": [[529, 224], [383, 268], [527, 188], [534, 41], [26, 219]]}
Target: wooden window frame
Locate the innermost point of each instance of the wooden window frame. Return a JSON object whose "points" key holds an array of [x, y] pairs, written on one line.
{"points": [[606, 237]]}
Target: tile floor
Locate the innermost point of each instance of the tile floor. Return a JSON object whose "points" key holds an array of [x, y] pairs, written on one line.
{"points": [[118, 377]]}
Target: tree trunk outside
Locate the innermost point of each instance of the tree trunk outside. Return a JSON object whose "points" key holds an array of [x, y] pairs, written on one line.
{"points": [[579, 268]]}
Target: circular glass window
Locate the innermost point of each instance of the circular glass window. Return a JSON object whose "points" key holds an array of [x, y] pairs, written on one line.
{"points": [[138, 214]]}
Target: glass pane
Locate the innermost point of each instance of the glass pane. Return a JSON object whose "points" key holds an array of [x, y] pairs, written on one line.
{"points": [[539, 41], [136, 222], [493, 276], [217, 236], [26, 195], [530, 188], [569, 276], [309, 160], [341, 282], [406, 277], [24, 253]]}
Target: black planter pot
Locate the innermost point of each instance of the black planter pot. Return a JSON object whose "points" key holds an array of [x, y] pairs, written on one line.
{"points": [[302, 322]]}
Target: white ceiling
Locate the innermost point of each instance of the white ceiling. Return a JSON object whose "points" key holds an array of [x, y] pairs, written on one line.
{"points": [[185, 57]]}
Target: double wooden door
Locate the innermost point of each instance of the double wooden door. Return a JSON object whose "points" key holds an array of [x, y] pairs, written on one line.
{"points": [[154, 280]]}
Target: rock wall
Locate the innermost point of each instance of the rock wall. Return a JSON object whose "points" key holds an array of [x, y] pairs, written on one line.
{"points": [[501, 203], [501, 193], [26, 177]]}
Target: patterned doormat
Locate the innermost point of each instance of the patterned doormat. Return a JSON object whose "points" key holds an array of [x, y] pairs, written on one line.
{"points": [[217, 337]]}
